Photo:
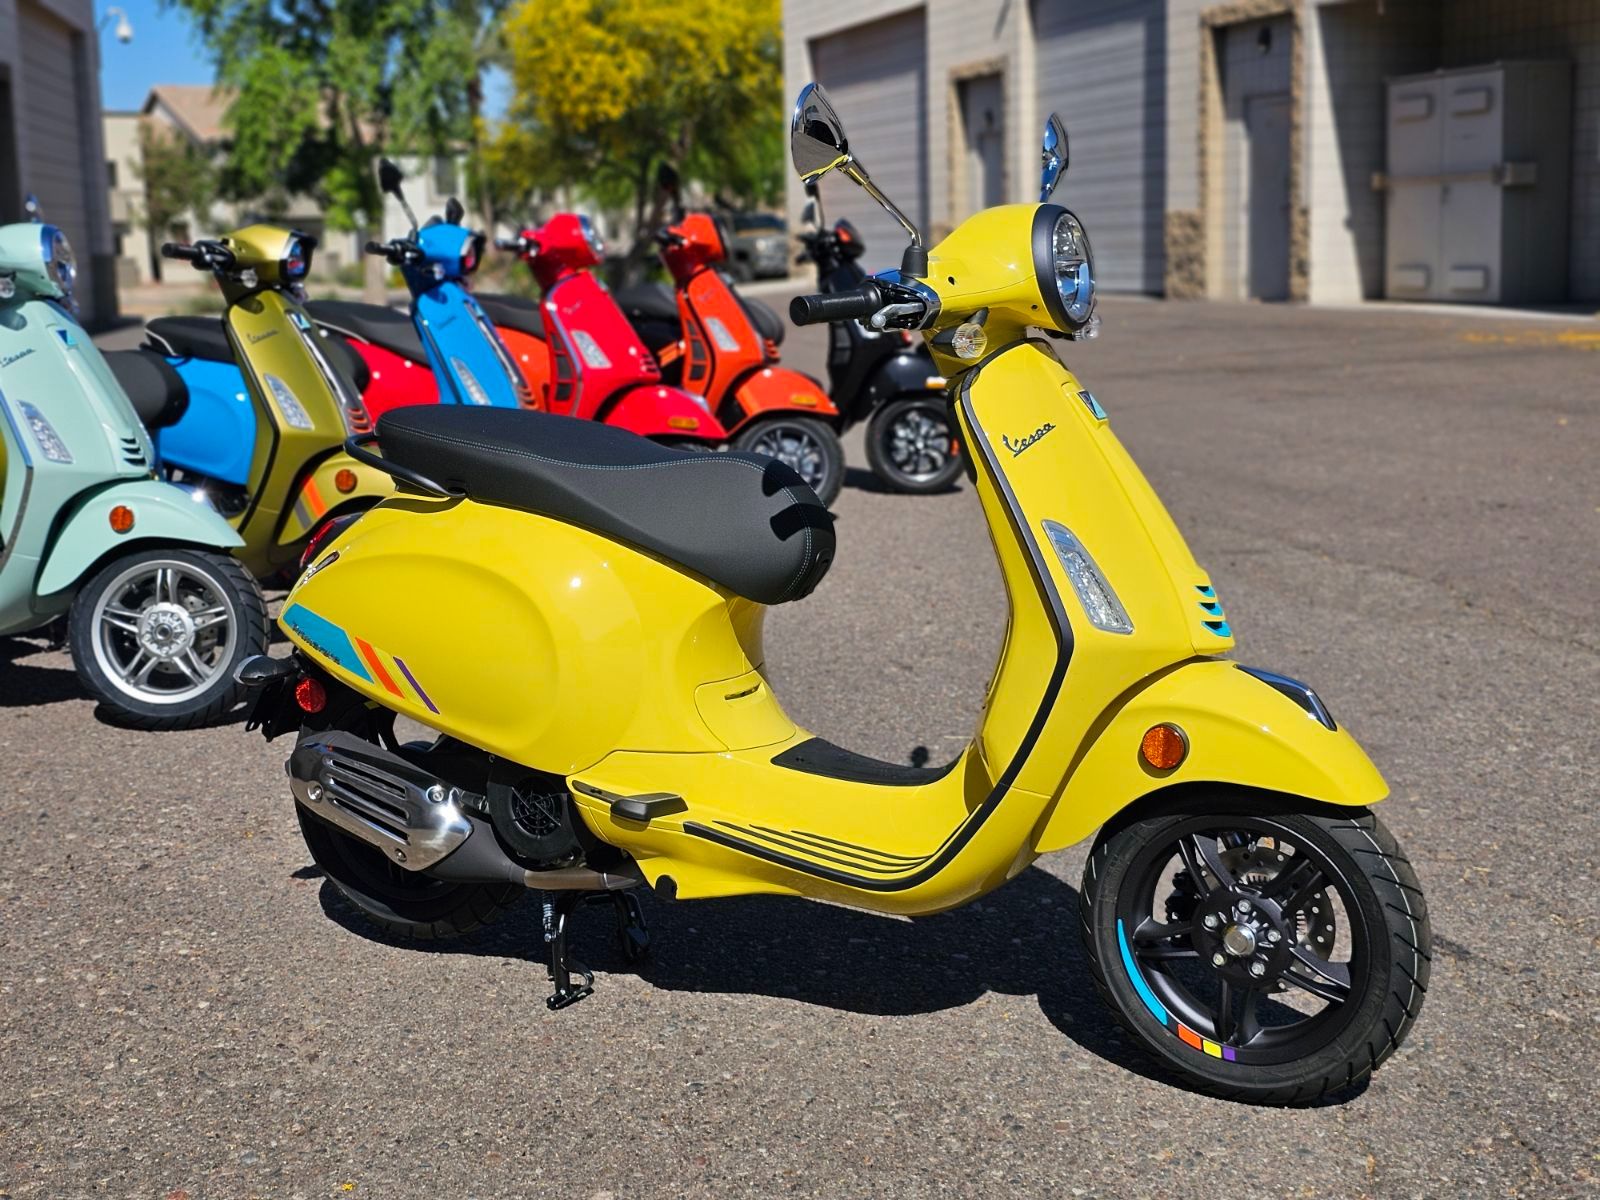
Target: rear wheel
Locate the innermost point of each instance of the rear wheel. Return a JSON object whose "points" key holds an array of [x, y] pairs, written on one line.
{"points": [[157, 635], [1267, 955], [911, 444], [806, 444], [402, 902]]}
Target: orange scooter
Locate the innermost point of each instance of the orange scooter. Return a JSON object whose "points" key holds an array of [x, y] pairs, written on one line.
{"points": [[710, 340]]}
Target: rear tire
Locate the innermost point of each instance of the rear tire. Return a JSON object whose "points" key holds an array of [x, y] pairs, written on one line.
{"points": [[157, 635], [406, 903], [806, 444], [912, 446], [1326, 890]]}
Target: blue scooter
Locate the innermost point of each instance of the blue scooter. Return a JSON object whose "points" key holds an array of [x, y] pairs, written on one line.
{"points": [[448, 331]]}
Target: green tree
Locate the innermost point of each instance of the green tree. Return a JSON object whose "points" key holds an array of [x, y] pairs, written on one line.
{"points": [[607, 89], [178, 177], [327, 87]]}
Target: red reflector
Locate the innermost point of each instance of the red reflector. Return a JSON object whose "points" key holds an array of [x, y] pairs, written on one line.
{"points": [[310, 695]]}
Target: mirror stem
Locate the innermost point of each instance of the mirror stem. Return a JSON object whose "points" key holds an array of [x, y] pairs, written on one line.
{"points": [[915, 261]]}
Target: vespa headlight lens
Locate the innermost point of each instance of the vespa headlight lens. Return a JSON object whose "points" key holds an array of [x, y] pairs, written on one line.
{"points": [[1072, 270], [296, 261], [294, 413], [469, 253], [1100, 603], [60, 262], [592, 236], [45, 435]]}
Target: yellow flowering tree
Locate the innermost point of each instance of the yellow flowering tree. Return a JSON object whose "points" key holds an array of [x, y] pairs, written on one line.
{"points": [[605, 90]]}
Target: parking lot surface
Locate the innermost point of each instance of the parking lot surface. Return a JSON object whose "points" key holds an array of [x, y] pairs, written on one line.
{"points": [[1403, 510]]}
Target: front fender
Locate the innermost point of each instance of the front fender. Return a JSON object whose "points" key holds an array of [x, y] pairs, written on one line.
{"points": [[162, 515], [655, 410], [773, 389], [1242, 732], [320, 494]]}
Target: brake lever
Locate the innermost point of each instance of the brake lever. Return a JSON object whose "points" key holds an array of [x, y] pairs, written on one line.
{"points": [[880, 319]]}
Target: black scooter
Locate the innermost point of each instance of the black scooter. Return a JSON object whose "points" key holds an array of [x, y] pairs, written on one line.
{"points": [[885, 377]]}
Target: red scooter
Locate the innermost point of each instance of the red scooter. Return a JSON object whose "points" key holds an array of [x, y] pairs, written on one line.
{"points": [[577, 352], [713, 342]]}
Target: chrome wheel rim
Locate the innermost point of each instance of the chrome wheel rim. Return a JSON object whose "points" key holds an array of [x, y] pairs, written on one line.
{"points": [[164, 631], [919, 443], [796, 447]]}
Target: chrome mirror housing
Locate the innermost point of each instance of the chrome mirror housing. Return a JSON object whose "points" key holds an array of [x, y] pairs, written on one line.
{"points": [[1052, 157], [816, 135]]}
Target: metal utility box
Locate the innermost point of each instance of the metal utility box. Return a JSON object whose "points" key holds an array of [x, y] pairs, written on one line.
{"points": [[1479, 179]]}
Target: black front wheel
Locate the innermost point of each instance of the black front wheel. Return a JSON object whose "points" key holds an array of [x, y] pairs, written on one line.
{"points": [[912, 444], [808, 445], [1268, 955]]}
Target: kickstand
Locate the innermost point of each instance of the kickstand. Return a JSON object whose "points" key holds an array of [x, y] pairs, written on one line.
{"points": [[558, 911]]}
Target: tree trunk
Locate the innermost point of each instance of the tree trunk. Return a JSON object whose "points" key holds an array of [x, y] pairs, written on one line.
{"points": [[375, 281]]}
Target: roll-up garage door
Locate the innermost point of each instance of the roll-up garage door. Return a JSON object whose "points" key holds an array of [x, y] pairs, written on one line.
{"points": [[1102, 66], [47, 98], [876, 76]]}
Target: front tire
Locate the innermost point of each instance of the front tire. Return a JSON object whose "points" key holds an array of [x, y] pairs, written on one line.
{"points": [[1265, 954], [406, 903], [912, 446], [157, 635], [806, 444]]}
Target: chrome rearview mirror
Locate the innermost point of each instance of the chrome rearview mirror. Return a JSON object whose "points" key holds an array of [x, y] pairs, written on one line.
{"points": [[817, 145], [1052, 157]]}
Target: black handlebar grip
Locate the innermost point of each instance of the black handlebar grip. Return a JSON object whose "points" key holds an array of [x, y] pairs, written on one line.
{"points": [[377, 248], [179, 250], [836, 306], [501, 243]]}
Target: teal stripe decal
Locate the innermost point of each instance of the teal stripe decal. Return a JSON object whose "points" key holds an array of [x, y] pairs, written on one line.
{"points": [[1139, 985], [326, 638]]}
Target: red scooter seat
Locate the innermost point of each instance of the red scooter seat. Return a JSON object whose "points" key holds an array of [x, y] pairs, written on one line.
{"points": [[744, 521]]}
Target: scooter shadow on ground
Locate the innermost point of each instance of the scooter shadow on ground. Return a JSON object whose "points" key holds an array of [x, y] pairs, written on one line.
{"points": [[863, 480], [1019, 940], [24, 686]]}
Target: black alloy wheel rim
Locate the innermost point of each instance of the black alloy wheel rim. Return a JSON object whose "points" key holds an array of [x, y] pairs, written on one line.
{"points": [[919, 443], [797, 448], [1257, 896]]}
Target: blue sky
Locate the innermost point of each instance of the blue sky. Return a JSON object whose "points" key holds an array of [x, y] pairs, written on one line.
{"points": [[164, 50]]}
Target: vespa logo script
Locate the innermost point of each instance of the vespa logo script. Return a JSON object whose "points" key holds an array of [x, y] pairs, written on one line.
{"points": [[17, 357], [262, 336], [1018, 447]]}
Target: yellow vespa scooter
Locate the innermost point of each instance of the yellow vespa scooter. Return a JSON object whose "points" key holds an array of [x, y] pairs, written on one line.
{"points": [[606, 720]]}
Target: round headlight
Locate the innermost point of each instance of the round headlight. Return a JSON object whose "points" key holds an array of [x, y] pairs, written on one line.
{"points": [[1066, 267], [592, 236], [60, 261]]}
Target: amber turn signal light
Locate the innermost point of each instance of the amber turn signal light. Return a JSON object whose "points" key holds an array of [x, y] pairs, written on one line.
{"points": [[121, 518], [1164, 746], [345, 480], [683, 422]]}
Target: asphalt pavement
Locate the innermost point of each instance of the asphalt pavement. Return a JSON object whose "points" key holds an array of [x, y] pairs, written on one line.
{"points": [[1403, 509]]}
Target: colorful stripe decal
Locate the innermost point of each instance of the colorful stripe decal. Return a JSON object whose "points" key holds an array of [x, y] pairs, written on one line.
{"points": [[412, 680], [377, 667], [1185, 1035], [326, 638]]}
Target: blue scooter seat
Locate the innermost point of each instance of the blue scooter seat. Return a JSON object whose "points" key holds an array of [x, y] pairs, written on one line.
{"points": [[189, 337], [159, 395]]}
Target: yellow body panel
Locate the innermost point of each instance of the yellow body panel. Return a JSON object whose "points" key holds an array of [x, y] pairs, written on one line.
{"points": [[630, 675]]}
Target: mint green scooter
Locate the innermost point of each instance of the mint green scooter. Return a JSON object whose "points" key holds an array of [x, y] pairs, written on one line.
{"points": [[158, 613]]}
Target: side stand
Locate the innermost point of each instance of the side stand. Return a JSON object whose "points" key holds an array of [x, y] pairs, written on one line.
{"points": [[633, 939]]}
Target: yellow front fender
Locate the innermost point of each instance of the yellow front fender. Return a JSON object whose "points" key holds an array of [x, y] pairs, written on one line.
{"points": [[1241, 732]]}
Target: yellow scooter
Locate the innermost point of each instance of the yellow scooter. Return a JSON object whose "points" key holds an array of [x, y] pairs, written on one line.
{"points": [[605, 719]]}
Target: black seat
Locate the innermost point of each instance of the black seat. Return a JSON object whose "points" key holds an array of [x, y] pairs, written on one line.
{"points": [[158, 392], [743, 521], [340, 350], [768, 323], [374, 323], [649, 301], [512, 312], [189, 337]]}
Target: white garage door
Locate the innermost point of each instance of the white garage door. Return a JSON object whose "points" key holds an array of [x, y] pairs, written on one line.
{"points": [[1102, 66], [47, 97], [876, 76]]}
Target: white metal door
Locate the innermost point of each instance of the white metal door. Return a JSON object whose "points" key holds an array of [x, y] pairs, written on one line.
{"points": [[1102, 66], [876, 76], [1472, 132], [1415, 160]]}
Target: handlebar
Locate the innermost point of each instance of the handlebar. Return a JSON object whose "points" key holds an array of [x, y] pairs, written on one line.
{"points": [[180, 251], [205, 255], [666, 237], [398, 250], [836, 306], [376, 248], [517, 245]]}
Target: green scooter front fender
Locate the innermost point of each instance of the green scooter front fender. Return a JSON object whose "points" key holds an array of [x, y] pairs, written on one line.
{"points": [[162, 515]]}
